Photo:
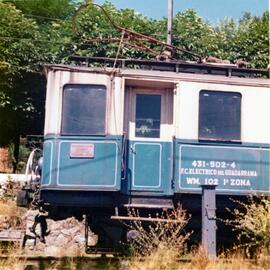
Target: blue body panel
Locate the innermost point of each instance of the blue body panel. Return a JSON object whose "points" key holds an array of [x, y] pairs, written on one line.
{"points": [[153, 169], [61, 170], [233, 168], [149, 167]]}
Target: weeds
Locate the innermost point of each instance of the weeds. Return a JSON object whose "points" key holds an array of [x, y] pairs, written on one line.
{"points": [[9, 189], [159, 245], [11, 215], [253, 223], [12, 263]]}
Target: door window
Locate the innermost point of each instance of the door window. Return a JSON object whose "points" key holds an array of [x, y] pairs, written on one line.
{"points": [[148, 115]]}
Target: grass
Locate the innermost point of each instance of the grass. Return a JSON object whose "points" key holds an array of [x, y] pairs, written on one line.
{"points": [[13, 263], [11, 259], [163, 260]]}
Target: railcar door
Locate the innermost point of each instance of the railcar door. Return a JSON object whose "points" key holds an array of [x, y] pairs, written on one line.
{"points": [[149, 114]]}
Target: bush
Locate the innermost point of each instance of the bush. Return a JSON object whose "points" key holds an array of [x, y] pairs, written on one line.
{"points": [[253, 222], [159, 245]]}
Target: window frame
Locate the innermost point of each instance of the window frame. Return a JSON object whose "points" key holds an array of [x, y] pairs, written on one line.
{"points": [[106, 110], [166, 129], [218, 139]]}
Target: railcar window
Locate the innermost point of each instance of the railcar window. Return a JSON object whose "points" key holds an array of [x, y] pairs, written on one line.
{"points": [[84, 109], [148, 113], [220, 116]]}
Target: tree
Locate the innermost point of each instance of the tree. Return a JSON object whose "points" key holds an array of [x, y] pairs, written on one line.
{"points": [[42, 10], [192, 32], [20, 63], [247, 39], [251, 41]]}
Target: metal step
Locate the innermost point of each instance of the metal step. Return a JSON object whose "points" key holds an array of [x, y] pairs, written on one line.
{"points": [[101, 251], [149, 202], [147, 219], [150, 206]]}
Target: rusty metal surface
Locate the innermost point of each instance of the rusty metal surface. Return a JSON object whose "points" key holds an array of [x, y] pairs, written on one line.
{"points": [[176, 66]]}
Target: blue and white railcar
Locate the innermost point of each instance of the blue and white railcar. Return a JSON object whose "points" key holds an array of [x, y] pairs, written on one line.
{"points": [[141, 138]]}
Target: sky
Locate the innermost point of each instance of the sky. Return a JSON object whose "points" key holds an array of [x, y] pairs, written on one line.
{"points": [[211, 10]]}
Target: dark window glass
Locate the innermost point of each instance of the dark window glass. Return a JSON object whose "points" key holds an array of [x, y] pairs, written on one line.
{"points": [[220, 116], [84, 109], [148, 108]]}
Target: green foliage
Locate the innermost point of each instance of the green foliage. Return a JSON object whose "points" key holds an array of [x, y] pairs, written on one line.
{"points": [[192, 32], [247, 39], [42, 10], [252, 40], [17, 41], [20, 60]]}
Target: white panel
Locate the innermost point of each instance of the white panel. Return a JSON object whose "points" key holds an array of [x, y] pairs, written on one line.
{"points": [[187, 116], [52, 102], [256, 115], [116, 108], [255, 110]]}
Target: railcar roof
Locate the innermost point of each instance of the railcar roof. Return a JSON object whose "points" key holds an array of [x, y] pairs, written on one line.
{"points": [[226, 74]]}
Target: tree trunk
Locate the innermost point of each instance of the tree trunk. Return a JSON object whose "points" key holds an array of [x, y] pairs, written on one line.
{"points": [[16, 152]]}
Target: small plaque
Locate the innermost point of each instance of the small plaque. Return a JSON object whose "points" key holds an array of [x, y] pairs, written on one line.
{"points": [[82, 150]]}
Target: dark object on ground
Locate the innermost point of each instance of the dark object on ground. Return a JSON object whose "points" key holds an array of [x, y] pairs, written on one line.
{"points": [[22, 198], [41, 218]]}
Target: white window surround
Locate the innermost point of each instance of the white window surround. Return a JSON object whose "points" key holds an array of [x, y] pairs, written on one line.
{"points": [[166, 126]]}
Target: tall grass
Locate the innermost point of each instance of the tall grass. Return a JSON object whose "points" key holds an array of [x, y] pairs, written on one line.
{"points": [[233, 261]]}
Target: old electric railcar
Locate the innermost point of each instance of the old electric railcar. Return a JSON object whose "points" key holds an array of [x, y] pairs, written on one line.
{"points": [[142, 138]]}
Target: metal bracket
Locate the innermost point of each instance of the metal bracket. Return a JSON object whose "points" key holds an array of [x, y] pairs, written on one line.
{"points": [[132, 148], [211, 213]]}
